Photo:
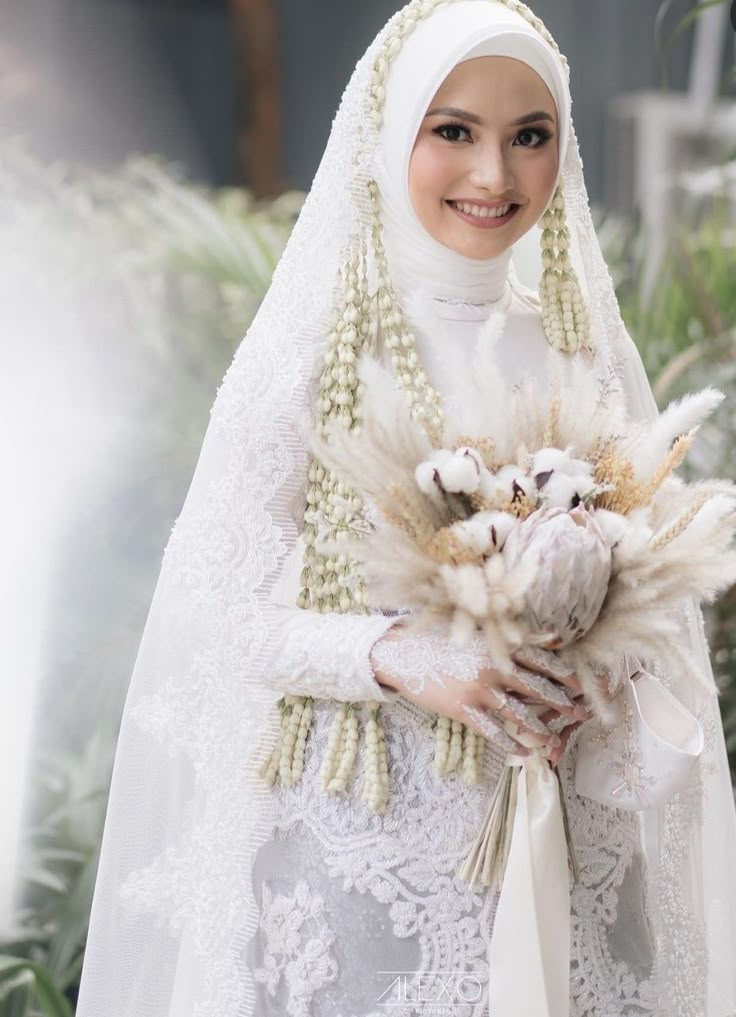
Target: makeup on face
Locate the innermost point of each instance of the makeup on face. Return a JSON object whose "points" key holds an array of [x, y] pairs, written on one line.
{"points": [[485, 161]]}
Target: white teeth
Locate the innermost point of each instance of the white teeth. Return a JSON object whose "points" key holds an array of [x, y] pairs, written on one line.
{"points": [[483, 213]]}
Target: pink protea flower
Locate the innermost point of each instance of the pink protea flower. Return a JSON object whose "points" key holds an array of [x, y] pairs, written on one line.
{"points": [[569, 560]]}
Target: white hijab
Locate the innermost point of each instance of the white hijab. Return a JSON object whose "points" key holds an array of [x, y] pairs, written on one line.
{"points": [[454, 34]]}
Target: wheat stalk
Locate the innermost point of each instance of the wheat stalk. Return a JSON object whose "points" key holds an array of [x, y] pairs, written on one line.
{"points": [[675, 457], [680, 524], [552, 424]]}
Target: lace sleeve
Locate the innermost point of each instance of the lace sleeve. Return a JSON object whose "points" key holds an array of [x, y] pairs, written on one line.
{"points": [[415, 660], [327, 656]]}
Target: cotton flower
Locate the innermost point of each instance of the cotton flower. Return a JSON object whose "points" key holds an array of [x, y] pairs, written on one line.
{"points": [[427, 473], [566, 491], [485, 532], [570, 560], [548, 460], [474, 534], [510, 481], [459, 475], [498, 525], [454, 472]]}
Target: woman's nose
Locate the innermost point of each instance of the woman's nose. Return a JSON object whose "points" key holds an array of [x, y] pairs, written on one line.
{"points": [[491, 172]]}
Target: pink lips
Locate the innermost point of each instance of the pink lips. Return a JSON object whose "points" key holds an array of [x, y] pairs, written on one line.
{"points": [[487, 223]]}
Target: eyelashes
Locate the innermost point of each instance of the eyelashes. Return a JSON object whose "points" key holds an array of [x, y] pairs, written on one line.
{"points": [[449, 132]]}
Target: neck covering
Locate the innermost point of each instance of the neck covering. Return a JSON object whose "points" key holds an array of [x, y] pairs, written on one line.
{"points": [[452, 35]]}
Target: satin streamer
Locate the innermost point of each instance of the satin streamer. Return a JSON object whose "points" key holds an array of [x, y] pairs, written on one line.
{"points": [[529, 957]]}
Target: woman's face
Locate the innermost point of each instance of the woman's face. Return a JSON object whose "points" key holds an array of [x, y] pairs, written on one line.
{"points": [[487, 144]]}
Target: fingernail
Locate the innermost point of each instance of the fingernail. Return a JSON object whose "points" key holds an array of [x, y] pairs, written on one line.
{"points": [[555, 741]]}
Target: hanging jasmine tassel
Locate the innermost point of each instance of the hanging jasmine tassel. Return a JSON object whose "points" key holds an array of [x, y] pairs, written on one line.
{"points": [[334, 744], [486, 862], [286, 760], [441, 743], [469, 765], [270, 768], [564, 314], [455, 751], [375, 787], [342, 749], [305, 725], [295, 707], [480, 751]]}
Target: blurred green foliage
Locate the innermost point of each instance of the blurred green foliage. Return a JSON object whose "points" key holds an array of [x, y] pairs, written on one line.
{"points": [[131, 290], [685, 329]]}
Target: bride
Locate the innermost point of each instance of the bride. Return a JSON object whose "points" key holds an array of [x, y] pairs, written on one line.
{"points": [[255, 862]]}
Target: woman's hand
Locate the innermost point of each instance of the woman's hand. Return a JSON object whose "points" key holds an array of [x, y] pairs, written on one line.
{"points": [[461, 683]]}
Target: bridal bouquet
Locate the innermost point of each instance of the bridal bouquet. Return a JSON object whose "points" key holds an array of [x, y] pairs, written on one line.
{"points": [[545, 519], [537, 520]]}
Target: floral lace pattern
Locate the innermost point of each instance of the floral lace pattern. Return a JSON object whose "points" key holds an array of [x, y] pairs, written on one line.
{"points": [[419, 659], [327, 656], [407, 862], [298, 942], [393, 878]]}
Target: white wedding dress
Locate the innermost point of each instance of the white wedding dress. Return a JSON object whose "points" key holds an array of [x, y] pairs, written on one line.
{"points": [[355, 906], [219, 897]]}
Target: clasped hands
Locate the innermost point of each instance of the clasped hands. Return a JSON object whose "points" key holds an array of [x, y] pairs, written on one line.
{"points": [[536, 707]]}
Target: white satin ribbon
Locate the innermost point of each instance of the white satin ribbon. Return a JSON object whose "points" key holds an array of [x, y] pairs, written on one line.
{"points": [[529, 957]]}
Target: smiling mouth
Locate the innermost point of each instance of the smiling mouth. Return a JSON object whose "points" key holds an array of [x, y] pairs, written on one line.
{"points": [[483, 216]]}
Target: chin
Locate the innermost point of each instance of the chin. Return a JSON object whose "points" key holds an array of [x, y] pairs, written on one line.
{"points": [[482, 252]]}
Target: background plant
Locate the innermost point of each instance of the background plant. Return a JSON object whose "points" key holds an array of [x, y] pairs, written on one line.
{"points": [[686, 333], [128, 291]]}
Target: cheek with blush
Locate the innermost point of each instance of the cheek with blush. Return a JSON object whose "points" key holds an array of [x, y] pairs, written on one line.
{"points": [[429, 174]]}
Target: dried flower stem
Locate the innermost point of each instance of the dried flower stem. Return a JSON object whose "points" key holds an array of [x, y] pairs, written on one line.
{"points": [[551, 428], [675, 457], [659, 541]]}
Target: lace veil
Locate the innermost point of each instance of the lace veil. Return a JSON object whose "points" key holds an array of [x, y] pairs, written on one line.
{"points": [[174, 907]]}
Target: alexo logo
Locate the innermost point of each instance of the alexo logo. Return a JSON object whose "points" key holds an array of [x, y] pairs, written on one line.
{"points": [[430, 989]]}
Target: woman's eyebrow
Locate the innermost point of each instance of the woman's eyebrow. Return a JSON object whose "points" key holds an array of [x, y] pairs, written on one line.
{"points": [[472, 118]]}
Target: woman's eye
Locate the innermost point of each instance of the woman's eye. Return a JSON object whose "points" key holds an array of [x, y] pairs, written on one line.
{"points": [[532, 137], [453, 132]]}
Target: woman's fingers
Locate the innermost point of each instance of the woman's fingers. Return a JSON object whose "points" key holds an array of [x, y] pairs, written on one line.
{"points": [[558, 752], [538, 689], [508, 707], [492, 729], [548, 664]]}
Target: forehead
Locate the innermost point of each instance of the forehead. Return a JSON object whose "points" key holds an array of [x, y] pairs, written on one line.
{"points": [[499, 82]]}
